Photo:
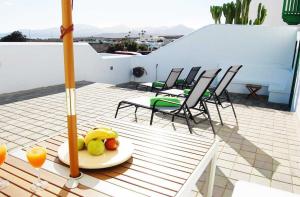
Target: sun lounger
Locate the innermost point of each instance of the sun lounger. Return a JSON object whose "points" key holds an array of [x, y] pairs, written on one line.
{"points": [[220, 94], [187, 104], [169, 83], [189, 81]]}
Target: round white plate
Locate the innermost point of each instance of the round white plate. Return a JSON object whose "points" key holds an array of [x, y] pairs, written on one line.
{"points": [[106, 160]]}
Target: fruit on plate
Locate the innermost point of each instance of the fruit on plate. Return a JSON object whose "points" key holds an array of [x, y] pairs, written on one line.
{"points": [[111, 144], [96, 147], [100, 133], [117, 135], [80, 142]]}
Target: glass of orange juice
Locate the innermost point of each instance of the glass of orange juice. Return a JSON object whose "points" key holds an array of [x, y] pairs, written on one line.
{"points": [[37, 157], [3, 153]]}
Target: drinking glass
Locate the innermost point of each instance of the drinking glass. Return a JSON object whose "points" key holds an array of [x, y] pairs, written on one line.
{"points": [[36, 157], [3, 153]]}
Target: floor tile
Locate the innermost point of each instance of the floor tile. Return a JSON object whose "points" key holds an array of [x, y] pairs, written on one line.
{"points": [[263, 148]]}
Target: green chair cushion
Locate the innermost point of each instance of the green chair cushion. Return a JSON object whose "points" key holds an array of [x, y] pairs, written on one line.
{"points": [[175, 101], [180, 81], [158, 84], [187, 92]]}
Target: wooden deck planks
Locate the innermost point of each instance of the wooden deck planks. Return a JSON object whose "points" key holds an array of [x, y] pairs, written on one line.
{"points": [[123, 173], [54, 190], [176, 149], [52, 179], [177, 171], [161, 164], [173, 136]]}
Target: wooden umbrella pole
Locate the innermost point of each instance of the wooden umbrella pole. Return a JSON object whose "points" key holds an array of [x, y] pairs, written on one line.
{"points": [[67, 36]]}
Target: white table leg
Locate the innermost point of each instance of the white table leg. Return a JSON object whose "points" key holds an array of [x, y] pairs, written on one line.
{"points": [[212, 173]]}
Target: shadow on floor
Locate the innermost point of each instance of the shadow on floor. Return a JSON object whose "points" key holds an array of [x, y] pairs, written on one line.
{"points": [[37, 92], [265, 166], [221, 181]]}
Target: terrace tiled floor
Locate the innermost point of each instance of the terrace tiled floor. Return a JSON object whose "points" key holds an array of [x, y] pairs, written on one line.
{"points": [[262, 148]]}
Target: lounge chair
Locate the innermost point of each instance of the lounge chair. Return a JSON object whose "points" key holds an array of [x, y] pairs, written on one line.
{"points": [[190, 102], [169, 83], [220, 94], [189, 81]]}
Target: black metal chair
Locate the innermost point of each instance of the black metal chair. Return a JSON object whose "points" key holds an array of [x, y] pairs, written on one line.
{"points": [[190, 102], [190, 79], [169, 83], [188, 83], [220, 94]]}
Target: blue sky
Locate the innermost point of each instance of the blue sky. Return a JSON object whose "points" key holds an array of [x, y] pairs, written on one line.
{"points": [[39, 14]]}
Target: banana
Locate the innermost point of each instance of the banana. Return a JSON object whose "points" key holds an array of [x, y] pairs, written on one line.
{"points": [[99, 133]]}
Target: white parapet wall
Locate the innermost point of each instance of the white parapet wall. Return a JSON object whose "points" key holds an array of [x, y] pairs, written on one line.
{"points": [[28, 65], [112, 69], [266, 53]]}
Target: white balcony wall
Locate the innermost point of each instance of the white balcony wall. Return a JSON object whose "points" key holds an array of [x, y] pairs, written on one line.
{"points": [[112, 69], [31, 65], [265, 52]]}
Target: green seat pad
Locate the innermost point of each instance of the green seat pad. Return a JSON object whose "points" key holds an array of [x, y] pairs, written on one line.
{"points": [[158, 84], [180, 81], [161, 103], [187, 92]]}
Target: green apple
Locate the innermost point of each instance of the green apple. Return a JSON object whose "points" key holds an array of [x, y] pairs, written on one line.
{"points": [[96, 147], [80, 142]]}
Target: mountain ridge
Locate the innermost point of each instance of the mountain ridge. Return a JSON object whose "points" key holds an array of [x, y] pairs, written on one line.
{"points": [[83, 30]]}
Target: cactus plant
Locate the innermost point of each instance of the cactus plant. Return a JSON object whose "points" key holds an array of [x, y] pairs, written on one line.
{"points": [[229, 12], [238, 11], [261, 15], [242, 12], [245, 11], [216, 12]]}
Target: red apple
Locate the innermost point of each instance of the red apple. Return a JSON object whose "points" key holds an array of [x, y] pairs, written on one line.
{"points": [[111, 144]]}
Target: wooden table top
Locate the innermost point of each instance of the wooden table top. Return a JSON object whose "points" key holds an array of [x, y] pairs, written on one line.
{"points": [[163, 164]]}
